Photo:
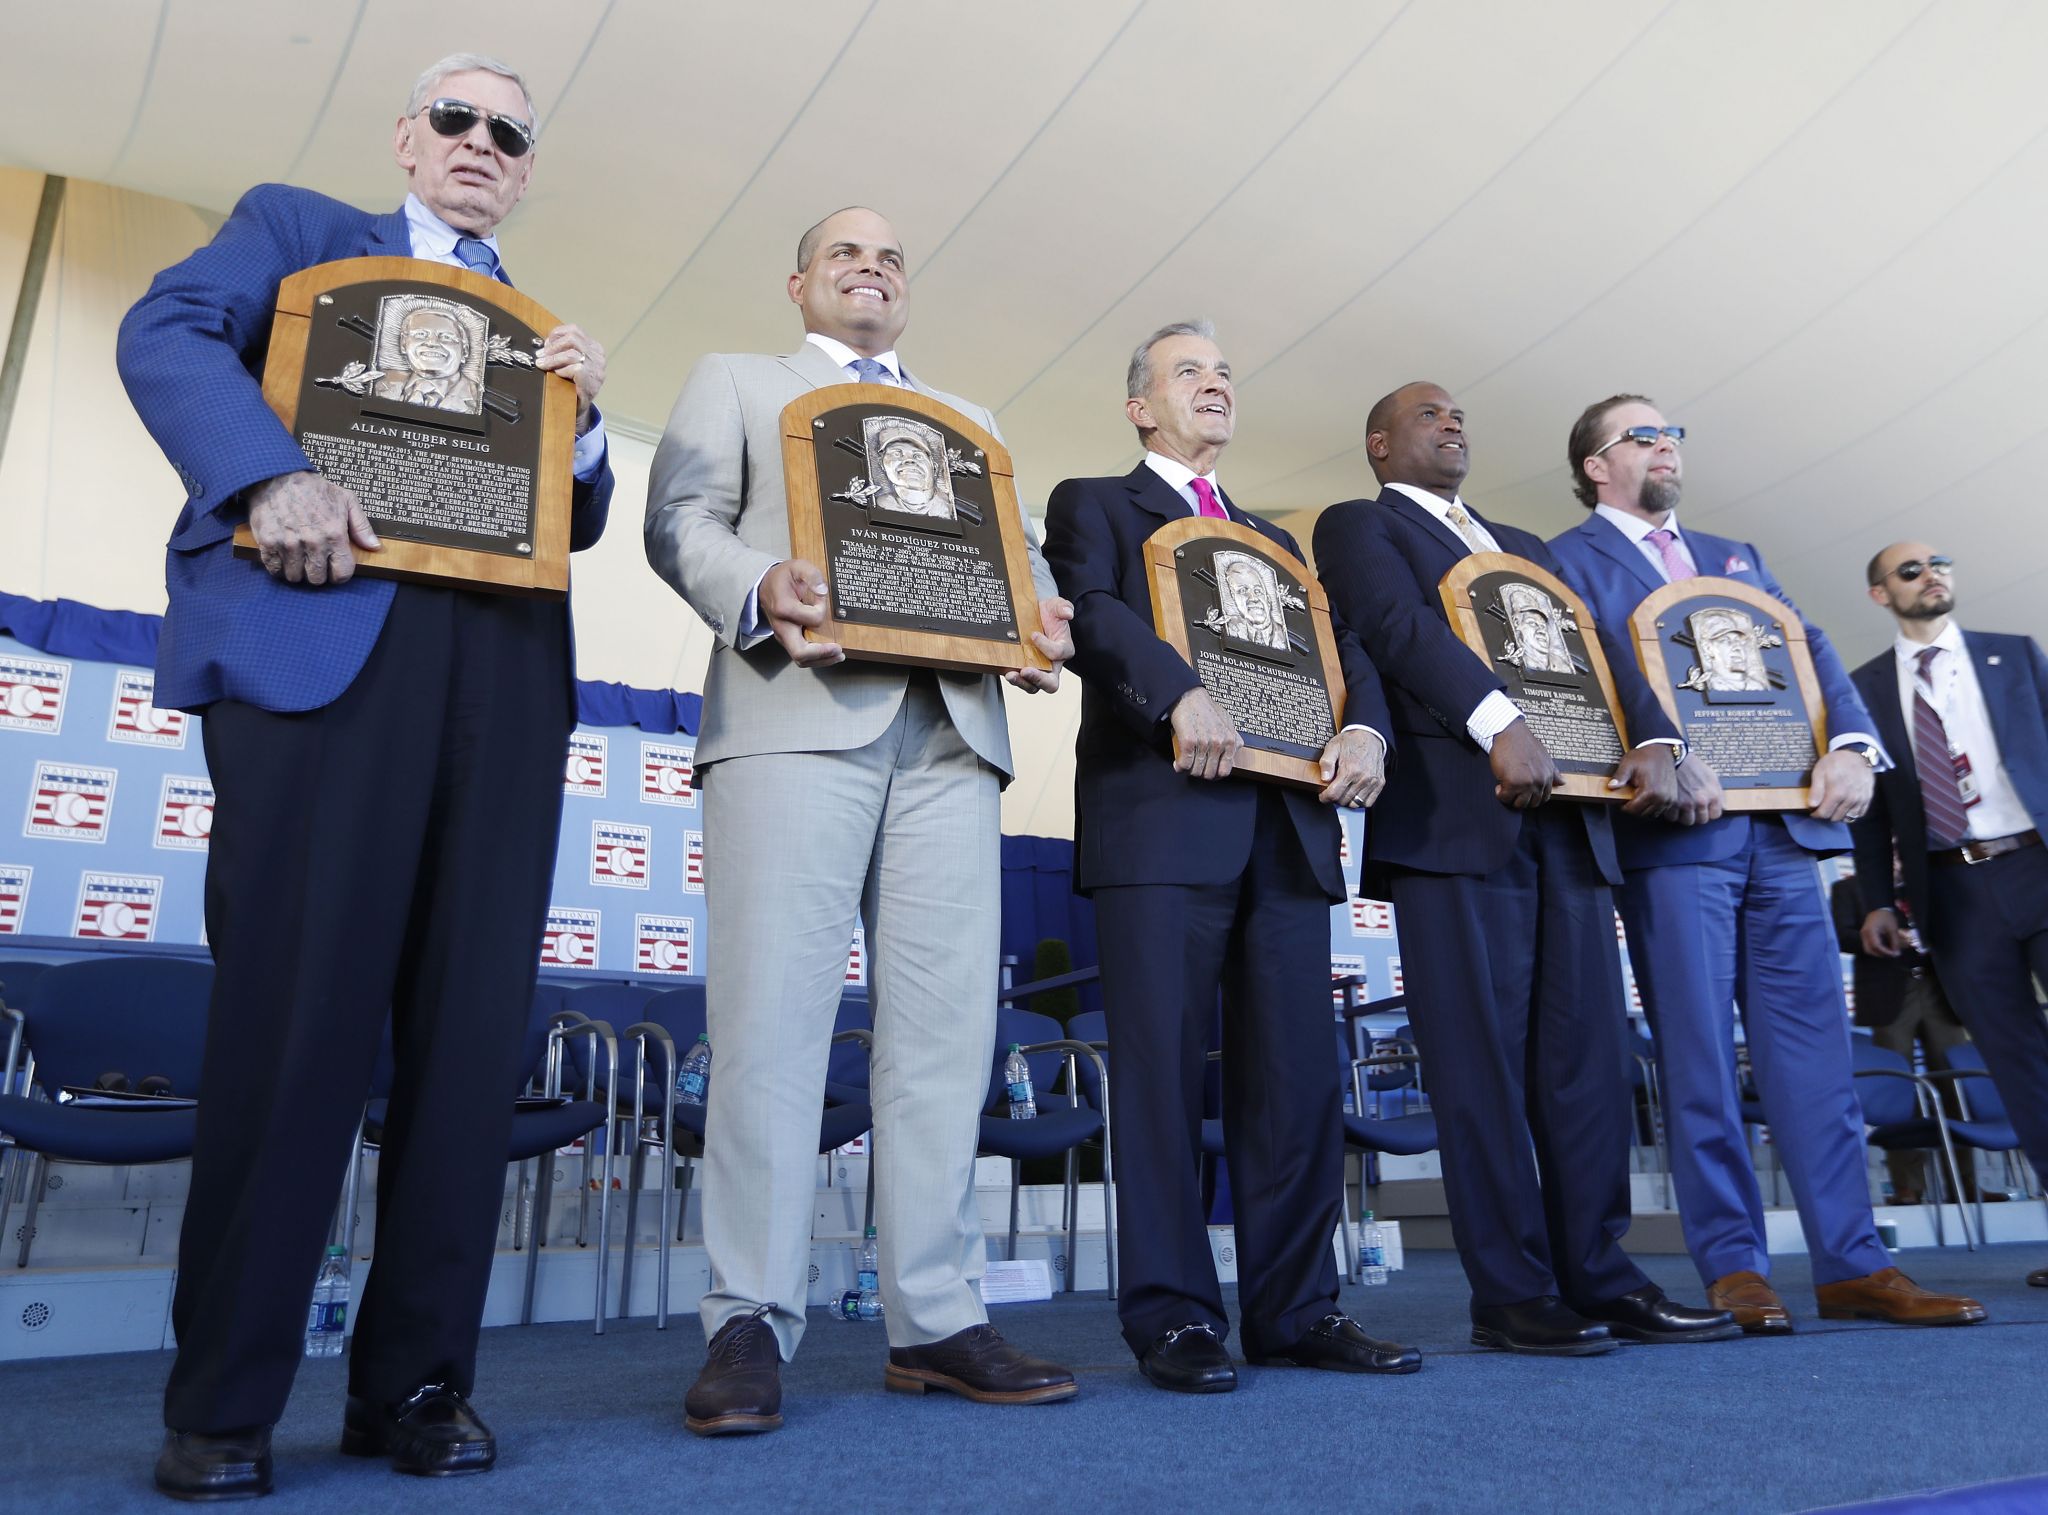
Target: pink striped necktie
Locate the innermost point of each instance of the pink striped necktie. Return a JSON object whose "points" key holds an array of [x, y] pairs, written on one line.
{"points": [[1210, 506], [1675, 565], [1948, 817]]}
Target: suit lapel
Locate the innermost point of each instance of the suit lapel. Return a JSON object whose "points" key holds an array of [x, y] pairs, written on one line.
{"points": [[1612, 541], [1882, 701], [388, 236], [1994, 683], [1401, 505], [1153, 494], [815, 367]]}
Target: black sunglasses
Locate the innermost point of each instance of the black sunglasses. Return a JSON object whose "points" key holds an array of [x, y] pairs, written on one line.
{"points": [[1912, 568], [1643, 436], [457, 118]]}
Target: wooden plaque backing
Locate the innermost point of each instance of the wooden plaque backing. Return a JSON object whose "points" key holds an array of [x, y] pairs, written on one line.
{"points": [[1649, 640], [1455, 590], [896, 644], [546, 572], [1169, 620]]}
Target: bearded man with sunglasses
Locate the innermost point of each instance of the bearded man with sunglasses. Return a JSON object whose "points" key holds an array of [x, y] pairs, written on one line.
{"points": [[388, 765], [1966, 713], [1725, 909]]}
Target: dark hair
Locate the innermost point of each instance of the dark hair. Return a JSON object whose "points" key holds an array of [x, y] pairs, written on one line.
{"points": [[1586, 437]]}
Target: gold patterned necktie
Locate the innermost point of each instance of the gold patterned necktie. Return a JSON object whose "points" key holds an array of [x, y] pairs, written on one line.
{"points": [[1465, 526]]}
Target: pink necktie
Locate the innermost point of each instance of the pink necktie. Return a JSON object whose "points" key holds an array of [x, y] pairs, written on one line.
{"points": [[1206, 493], [1675, 566]]}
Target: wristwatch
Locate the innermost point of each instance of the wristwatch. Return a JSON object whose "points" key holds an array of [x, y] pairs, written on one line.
{"points": [[1869, 753]]}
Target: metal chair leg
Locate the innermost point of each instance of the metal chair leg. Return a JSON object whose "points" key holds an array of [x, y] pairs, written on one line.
{"points": [[35, 1201], [636, 1168], [1071, 1199], [344, 1232], [10, 1174], [544, 1188], [1016, 1181], [683, 1202]]}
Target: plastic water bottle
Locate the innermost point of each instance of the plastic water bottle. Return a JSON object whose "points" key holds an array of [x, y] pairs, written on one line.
{"points": [[867, 1267], [1372, 1251], [854, 1304], [328, 1316], [1017, 1078], [693, 1079], [864, 1300]]}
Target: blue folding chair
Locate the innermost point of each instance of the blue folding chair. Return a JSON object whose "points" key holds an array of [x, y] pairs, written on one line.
{"points": [[1984, 1125], [134, 1015], [1056, 1129], [1900, 1111]]}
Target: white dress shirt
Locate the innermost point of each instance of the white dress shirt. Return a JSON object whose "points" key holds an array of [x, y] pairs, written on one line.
{"points": [[1958, 699], [1494, 714], [1638, 530], [434, 240], [845, 357]]}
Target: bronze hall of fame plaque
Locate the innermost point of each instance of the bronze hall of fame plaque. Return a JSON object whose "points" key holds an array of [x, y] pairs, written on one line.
{"points": [[1254, 624], [1731, 665], [911, 511], [412, 384], [1536, 636]]}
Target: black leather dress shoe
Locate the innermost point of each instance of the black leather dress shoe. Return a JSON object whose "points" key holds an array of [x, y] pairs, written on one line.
{"points": [[1646, 1315], [235, 1465], [739, 1390], [1189, 1360], [432, 1433], [1543, 1327], [1338, 1342], [978, 1364]]}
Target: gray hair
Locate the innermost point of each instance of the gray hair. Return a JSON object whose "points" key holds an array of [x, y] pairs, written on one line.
{"points": [[468, 63], [1138, 378]]}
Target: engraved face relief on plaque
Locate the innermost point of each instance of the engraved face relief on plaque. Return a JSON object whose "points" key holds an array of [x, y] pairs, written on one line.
{"points": [[1251, 607], [1536, 630], [1730, 646], [431, 352]]}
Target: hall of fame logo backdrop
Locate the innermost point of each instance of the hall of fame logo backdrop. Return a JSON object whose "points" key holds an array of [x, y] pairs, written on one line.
{"points": [[108, 812]]}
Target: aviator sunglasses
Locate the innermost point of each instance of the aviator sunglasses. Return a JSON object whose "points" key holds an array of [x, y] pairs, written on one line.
{"points": [[1912, 568], [1644, 436], [457, 118]]}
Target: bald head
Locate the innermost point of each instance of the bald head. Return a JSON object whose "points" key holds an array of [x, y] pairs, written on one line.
{"points": [[1916, 584], [808, 244], [850, 281]]}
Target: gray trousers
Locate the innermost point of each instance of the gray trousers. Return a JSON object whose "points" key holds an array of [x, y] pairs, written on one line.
{"points": [[905, 833]]}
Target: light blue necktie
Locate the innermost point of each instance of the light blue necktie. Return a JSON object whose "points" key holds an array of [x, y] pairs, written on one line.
{"points": [[868, 371], [477, 256]]}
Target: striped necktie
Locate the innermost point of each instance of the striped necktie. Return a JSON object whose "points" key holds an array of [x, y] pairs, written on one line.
{"points": [[476, 255], [1465, 526], [1948, 817], [1675, 565], [869, 371]]}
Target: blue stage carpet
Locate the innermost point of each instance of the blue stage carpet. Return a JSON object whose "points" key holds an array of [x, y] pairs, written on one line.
{"points": [[1838, 1414]]}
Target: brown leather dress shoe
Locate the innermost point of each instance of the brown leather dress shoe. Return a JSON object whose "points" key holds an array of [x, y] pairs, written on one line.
{"points": [[1889, 1295], [739, 1390], [1755, 1305], [979, 1365]]}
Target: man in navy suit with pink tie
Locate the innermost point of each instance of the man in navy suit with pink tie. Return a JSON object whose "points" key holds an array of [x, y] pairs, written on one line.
{"points": [[1202, 882], [1729, 911]]}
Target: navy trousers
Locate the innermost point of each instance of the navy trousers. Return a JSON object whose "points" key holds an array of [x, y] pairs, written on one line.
{"points": [[1514, 991], [387, 856], [1264, 940], [1989, 940]]}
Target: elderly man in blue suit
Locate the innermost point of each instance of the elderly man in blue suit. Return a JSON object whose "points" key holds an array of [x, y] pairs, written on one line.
{"points": [[388, 764], [1966, 714], [1729, 910]]}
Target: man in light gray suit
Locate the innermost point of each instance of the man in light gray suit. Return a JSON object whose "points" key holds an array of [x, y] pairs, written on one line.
{"points": [[833, 789]]}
